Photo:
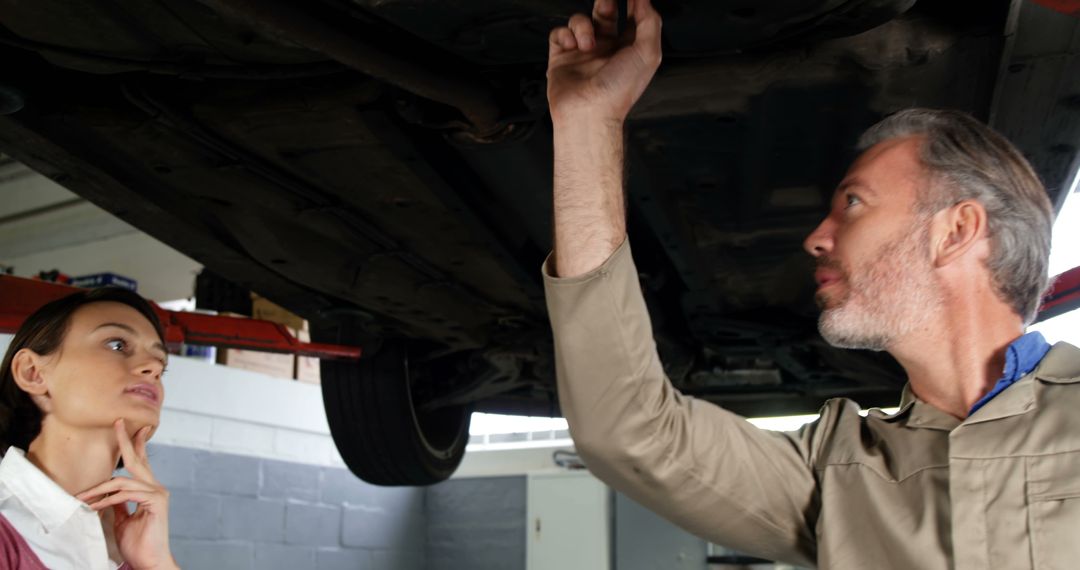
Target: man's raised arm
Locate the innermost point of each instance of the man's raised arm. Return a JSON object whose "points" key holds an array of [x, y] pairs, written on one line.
{"points": [[594, 78], [698, 465]]}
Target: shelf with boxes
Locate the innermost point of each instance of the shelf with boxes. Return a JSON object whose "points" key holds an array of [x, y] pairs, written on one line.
{"points": [[281, 365], [273, 341]]}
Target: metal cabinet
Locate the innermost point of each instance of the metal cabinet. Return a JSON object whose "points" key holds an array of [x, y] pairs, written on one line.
{"points": [[569, 522]]}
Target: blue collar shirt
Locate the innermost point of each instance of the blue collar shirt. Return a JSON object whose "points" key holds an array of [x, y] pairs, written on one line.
{"points": [[1022, 356]]}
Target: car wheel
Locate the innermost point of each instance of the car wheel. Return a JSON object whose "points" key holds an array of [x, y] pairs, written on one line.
{"points": [[382, 436]]}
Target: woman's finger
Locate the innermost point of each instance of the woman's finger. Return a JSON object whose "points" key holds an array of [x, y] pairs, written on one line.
{"points": [[120, 514], [113, 485], [144, 498], [127, 452], [584, 34], [141, 437], [135, 464]]}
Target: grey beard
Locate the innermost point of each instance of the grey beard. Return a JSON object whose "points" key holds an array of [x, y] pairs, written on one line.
{"points": [[892, 297], [832, 329]]}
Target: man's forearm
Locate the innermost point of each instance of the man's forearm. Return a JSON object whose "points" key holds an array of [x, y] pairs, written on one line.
{"points": [[589, 209]]}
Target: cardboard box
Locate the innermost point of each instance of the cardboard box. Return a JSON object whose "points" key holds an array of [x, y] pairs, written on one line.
{"points": [[267, 311], [269, 363], [303, 368], [98, 280], [308, 369]]}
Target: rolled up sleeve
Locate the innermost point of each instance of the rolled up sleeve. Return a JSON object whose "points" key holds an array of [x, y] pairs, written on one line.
{"points": [[698, 465]]}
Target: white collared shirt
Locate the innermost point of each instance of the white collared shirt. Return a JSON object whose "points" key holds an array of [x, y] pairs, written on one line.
{"points": [[61, 530]]}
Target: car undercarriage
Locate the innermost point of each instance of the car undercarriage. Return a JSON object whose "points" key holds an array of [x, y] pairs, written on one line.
{"points": [[383, 168]]}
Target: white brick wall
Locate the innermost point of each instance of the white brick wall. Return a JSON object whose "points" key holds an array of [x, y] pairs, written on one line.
{"points": [[237, 411], [184, 429], [217, 408], [241, 437]]}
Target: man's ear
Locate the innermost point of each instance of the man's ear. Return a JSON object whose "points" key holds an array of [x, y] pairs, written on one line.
{"points": [[958, 229], [27, 368]]}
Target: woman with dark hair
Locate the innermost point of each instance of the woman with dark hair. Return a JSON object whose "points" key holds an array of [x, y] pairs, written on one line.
{"points": [[80, 390]]}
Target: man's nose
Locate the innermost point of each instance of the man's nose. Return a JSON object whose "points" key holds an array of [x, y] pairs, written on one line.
{"points": [[820, 241]]}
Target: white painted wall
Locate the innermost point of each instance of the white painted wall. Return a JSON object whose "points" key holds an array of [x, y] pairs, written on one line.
{"points": [[213, 407], [208, 406], [163, 274], [507, 462], [23, 189], [78, 238]]}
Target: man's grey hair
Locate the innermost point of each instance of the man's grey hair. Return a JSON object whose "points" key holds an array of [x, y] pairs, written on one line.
{"points": [[967, 160]]}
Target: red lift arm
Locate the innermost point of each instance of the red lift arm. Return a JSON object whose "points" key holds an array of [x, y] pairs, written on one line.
{"points": [[20, 297], [1070, 7], [1063, 297]]}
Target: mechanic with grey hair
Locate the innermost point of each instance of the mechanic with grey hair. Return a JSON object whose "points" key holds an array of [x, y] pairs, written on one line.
{"points": [[935, 249]]}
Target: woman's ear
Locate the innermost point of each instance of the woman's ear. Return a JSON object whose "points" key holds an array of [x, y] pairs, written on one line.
{"points": [[961, 227], [27, 368]]}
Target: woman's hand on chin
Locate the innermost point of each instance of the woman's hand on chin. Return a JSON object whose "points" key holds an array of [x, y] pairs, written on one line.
{"points": [[142, 536]]}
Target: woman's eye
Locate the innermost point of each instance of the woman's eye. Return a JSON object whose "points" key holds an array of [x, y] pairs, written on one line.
{"points": [[850, 200], [116, 344]]}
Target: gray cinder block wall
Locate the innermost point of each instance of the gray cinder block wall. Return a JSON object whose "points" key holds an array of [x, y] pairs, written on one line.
{"points": [[237, 512], [477, 524]]}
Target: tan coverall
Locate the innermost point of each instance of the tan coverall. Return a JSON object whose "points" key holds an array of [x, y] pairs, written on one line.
{"points": [[919, 489]]}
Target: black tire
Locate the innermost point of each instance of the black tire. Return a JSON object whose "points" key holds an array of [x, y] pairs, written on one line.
{"points": [[377, 430]]}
